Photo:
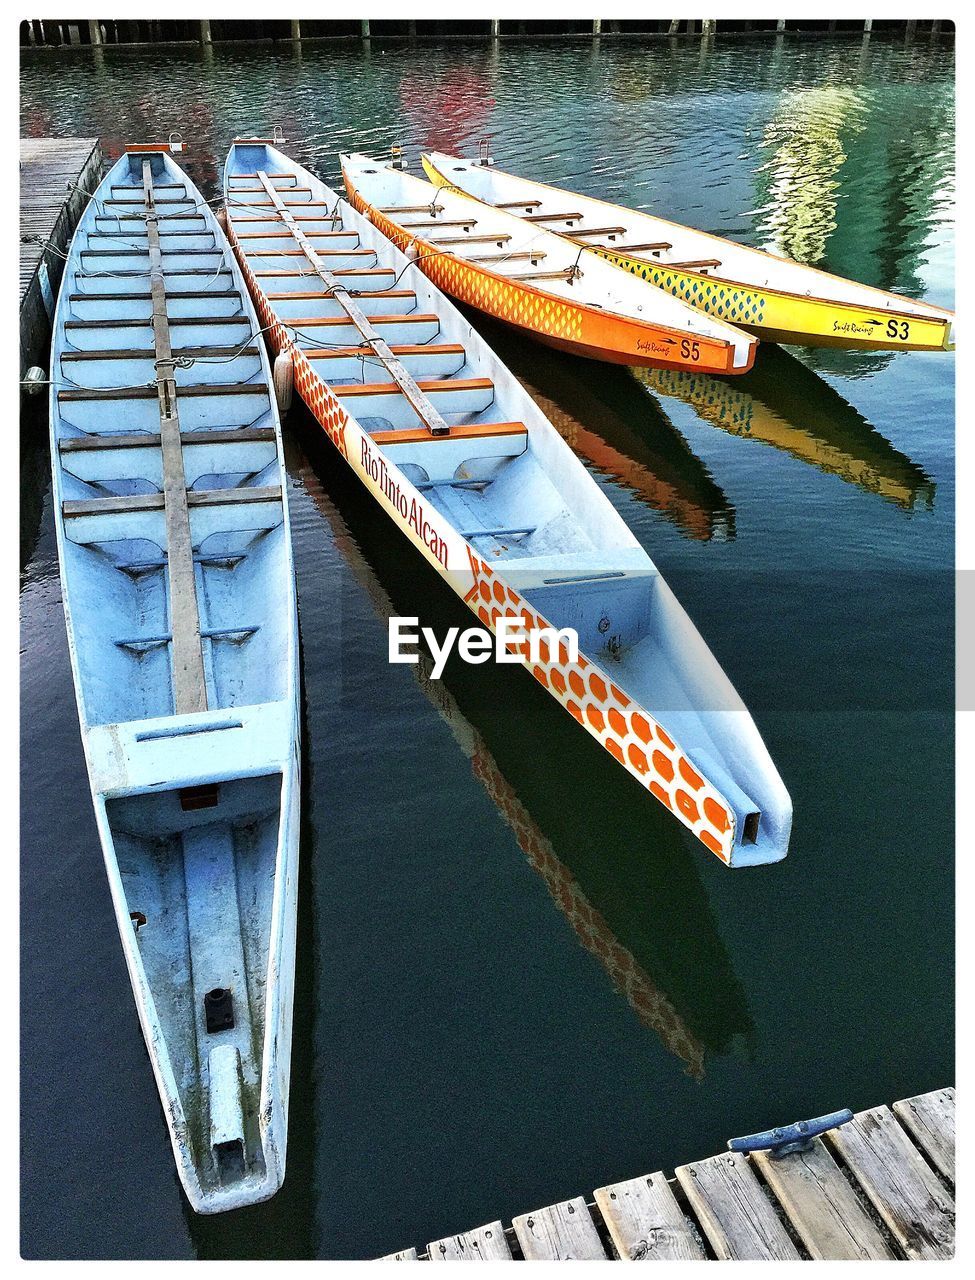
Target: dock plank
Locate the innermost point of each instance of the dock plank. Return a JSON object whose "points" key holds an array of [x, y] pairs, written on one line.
{"points": [[899, 1183], [560, 1232], [930, 1120], [483, 1244], [55, 176], [734, 1212], [645, 1221], [821, 1205]]}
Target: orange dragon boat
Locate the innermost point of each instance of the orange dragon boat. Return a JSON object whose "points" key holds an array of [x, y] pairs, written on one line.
{"points": [[538, 282]]}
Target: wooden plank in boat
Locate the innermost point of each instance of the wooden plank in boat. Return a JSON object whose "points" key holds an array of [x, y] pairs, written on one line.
{"points": [[899, 1183], [188, 671], [421, 404], [553, 217], [143, 353], [270, 176], [559, 1233], [734, 1212], [698, 264], [440, 222], [154, 501], [645, 1221], [598, 231], [404, 1255], [483, 1244], [348, 271], [144, 439], [398, 349], [302, 295], [418, 317], [428, 387], [466, 431], [930, 1120], [821, 1205], [523, 255], [147, 392], [652, 246], [501, 238], [145, 296], [407, 208]]}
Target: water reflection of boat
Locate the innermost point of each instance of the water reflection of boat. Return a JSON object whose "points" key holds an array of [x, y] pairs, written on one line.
{"points": [[622, 432], [784, 404], [645, 918]]}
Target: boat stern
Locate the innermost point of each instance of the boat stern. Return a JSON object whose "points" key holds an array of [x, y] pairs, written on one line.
{"points": [[204, 881]]}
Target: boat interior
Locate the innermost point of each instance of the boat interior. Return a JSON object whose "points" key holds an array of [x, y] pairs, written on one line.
{"points": [[601, 225], [525, 251], [499, 473], [195, 867], [176, 560]]}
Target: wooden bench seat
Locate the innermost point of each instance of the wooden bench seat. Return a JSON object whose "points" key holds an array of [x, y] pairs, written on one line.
{"points": [[470, 431], [599, 231], [700, 264], [553, 217]]}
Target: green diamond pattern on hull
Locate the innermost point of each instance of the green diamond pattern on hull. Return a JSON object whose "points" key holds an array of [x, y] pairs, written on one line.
{"points": [[719, 300]]}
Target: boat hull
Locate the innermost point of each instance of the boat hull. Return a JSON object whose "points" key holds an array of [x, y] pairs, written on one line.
{"points": [[195, 786], [814, 318], [573, 327], [720, 783], [776, 316], [622, 726], [272, 1114]]}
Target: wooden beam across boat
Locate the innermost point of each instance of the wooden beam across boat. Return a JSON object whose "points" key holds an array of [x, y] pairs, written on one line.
{"points": [[189, 676], [426, 412]]}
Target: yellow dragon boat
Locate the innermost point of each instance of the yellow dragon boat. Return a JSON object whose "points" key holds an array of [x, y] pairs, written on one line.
{"points": [[775, 298]]}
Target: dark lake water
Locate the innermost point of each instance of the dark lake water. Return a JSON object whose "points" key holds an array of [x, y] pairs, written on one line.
{"points": [[517, 979]]}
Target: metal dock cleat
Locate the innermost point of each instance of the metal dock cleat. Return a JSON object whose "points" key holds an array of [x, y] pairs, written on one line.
{"points": [[791, 1137]]}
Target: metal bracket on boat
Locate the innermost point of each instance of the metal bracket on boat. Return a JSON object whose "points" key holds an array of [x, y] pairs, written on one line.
{"points": [[792, 1137], [484, 157], [277, 135], [176, 143], [397, 159]]}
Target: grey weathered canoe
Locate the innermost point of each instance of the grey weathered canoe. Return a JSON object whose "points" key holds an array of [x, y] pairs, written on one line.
{"points": [[179, 598]]}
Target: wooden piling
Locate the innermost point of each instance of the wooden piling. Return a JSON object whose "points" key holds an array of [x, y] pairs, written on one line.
{"points": [[205, 37]]}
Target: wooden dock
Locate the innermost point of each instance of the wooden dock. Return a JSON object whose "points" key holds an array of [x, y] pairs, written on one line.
{"points": [[50, 207], [880, 1186]]}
